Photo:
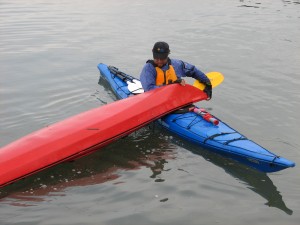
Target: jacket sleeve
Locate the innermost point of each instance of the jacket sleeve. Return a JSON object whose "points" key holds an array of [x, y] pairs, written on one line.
{"points": [[148, 77], [190, 70]]}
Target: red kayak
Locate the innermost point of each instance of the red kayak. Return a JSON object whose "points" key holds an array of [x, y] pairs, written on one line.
{"points": [[87, 132]]}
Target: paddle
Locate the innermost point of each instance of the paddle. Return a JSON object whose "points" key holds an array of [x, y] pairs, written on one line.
{"points": [[215, 78], [135, 85]]}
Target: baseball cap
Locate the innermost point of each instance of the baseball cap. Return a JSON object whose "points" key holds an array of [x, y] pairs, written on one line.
{"points": [[160, 50]]}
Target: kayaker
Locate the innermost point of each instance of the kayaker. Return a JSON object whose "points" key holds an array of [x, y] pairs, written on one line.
{"points": [[162, 70]]}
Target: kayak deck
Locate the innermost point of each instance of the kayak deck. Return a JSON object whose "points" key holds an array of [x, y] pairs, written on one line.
{"points": [[224, 140], [193, 127]]}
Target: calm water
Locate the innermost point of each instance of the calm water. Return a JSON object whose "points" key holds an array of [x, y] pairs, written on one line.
{"points": [[48, 60]]}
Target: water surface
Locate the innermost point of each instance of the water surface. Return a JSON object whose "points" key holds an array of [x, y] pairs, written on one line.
{"points": [[49, 53]]}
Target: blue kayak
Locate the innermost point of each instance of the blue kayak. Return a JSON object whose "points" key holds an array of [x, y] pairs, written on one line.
{"points": [[193, 127]]}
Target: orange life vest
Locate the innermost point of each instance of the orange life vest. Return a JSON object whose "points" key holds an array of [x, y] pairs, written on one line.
{"points": [[164, 77]]}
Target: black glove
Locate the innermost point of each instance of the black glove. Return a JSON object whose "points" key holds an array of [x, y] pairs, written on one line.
{"points": [[178, 81], [208, 91]]}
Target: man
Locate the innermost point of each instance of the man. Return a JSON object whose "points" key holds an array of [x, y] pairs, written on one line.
{"points": [[162, 70]]}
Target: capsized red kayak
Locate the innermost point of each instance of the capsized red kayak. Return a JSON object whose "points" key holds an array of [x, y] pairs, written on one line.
{"points": [[88, 131]]}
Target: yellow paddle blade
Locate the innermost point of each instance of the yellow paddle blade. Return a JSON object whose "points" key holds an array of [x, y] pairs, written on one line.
{"points": [[215, 78]]}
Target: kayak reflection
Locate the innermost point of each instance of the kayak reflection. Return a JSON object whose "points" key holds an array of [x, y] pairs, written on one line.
{"points": [[256, 181], [99, 167]]}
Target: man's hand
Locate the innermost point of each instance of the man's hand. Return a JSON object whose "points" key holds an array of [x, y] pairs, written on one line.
{"points": [[182, 82], [208, 91], [178, 81]]}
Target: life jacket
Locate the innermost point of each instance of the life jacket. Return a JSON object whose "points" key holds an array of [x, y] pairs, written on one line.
{"points": [[164, 77]]}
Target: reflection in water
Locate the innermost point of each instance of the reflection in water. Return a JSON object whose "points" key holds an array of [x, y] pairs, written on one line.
{"points": [[97, 168], [131, 153], [256, 181]]}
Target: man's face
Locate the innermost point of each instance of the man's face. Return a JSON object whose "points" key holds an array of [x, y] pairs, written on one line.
{"points": [[160, 62]]}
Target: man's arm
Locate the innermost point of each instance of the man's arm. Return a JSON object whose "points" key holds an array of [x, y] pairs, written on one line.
{"points": [[148, 78], [189, 70]]}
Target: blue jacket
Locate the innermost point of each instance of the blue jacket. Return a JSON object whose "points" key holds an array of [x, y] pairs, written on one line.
{"points": [[182, 69]]}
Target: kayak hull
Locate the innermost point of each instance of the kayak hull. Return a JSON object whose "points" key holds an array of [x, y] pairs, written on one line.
{"points": [[221, 139], [87, 132]]}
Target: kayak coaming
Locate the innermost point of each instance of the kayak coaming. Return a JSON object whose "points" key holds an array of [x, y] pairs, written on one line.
{"points": [[236, 146], [87, 132]]}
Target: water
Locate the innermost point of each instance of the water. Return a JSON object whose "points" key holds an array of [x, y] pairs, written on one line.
{"points": [[48, 58]]}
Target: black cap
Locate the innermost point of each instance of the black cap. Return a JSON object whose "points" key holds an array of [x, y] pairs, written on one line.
{"points": [[160, 50]]}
